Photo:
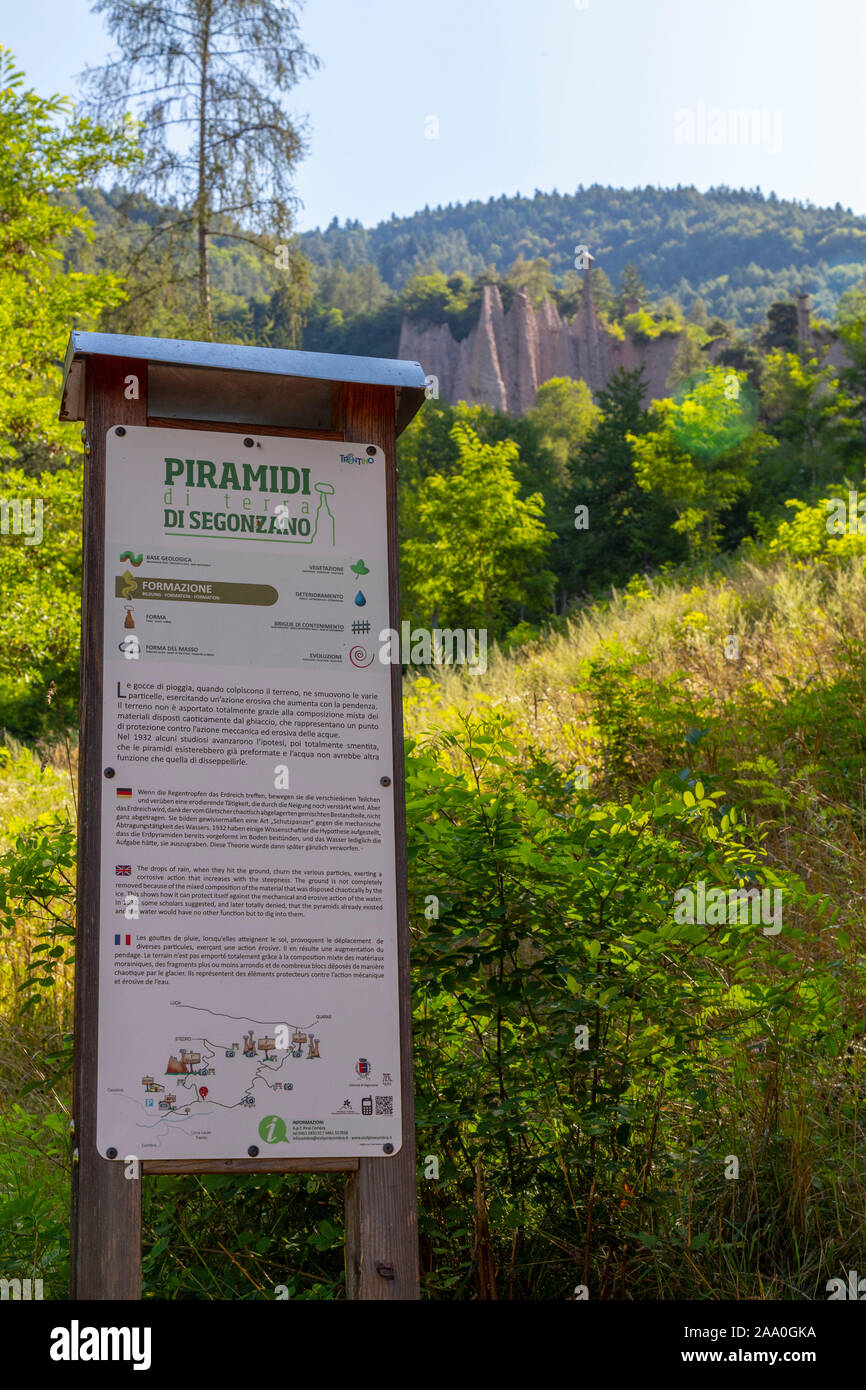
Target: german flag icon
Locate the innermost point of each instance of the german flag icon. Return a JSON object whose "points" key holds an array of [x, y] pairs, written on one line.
{"points": [[124, 791]]}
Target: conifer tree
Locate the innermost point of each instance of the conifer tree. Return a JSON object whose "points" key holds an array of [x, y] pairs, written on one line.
{"points": [[205, 77]]}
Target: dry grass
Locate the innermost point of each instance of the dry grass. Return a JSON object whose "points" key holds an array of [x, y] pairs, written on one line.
{"points": [[34, 786], [792, 623], [801, 631]]}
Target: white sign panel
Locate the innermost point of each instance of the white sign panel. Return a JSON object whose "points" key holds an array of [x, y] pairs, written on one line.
{"points": [[248, 1000]]}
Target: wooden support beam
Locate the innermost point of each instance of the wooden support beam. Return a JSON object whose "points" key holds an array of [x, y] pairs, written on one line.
{"points": [[105, 1255], [381, 1197], [169, 423], [162, 1167]]}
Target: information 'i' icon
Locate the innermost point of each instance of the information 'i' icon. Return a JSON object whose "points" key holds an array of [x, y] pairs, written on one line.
{"points": [[273, 1130]]}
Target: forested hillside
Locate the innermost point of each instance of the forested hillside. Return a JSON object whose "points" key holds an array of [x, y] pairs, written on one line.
{"points": [[737, 252], [738, 249]]}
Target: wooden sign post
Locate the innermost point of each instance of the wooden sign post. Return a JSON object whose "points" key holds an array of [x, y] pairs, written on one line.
{"points": [[274, 411]]}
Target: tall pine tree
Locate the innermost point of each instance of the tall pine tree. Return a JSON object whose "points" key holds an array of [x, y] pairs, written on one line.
{"points": [[205, 77]]}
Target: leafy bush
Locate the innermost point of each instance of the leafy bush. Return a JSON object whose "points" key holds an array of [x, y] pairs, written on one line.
{"points": [[34, 1198], [555, 911], [644, 326], [41, 586], [817, 531]]}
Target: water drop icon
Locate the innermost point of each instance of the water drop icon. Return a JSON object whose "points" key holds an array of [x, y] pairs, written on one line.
{"points": [[360, 600]]}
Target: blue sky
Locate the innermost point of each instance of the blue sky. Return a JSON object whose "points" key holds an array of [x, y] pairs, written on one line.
{"points": [[545, 93]]}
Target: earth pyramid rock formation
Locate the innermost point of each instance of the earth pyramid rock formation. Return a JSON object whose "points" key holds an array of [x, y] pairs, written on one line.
{"points": [[507, 356]]}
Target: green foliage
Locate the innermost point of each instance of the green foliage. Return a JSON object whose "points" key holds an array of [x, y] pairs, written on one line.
{"points": [[436, 298], [738, 252], [820, 531], [699, 453], [564, 413], [533, 276], [357, 291], [559, 1163], [697, 314], [812, 431], [44, 149], [688, 360], [357, 306], [242, 1238], [555, 913], [41, 587], [810, 413], [478, 547], [631, 289], [644, 327], [37, 884], [628, 528], [34, 1198]]}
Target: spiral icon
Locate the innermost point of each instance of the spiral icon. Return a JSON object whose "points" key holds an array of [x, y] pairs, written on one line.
{"points": [[359, 656]]}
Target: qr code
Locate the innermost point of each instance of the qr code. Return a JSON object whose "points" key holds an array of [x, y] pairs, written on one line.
{"points": [[384, 1105]]}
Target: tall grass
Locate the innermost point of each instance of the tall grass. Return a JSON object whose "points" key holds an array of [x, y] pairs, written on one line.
{"points": [[643, 683]]}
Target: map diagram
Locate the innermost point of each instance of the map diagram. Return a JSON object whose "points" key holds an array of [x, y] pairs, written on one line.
{"points": [[223, 1069]]}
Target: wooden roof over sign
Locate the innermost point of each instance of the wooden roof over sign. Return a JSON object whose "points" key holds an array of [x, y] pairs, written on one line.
{"points": [[407, 378]]}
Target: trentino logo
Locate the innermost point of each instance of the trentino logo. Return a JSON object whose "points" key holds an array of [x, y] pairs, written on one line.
{"points": [[353, 458]]}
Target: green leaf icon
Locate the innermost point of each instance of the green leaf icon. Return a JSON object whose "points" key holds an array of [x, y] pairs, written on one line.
{"points": [[359, 568]]}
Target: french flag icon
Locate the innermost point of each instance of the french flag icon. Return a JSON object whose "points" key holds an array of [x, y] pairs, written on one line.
{"points": [[126, 941]]}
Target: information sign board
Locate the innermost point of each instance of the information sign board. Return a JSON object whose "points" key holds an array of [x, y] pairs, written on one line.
{"points": [[248, 995]]}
